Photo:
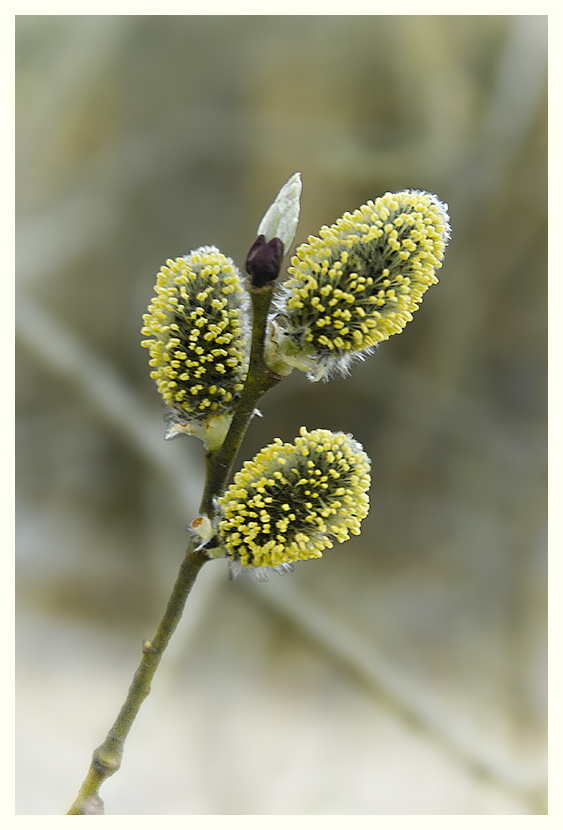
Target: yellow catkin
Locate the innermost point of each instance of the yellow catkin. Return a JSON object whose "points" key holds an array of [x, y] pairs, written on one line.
{"points": [[292, 500], [197, 335], [362, 278]]}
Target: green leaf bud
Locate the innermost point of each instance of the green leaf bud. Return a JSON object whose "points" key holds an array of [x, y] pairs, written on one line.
{"points": [[282, 217]]}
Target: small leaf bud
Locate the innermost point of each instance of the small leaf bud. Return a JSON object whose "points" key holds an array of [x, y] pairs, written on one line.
{"points": [[282, 217], [264, 261]]}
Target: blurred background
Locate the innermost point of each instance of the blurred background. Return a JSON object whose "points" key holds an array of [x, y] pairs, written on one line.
{"points": [[405, 672]]}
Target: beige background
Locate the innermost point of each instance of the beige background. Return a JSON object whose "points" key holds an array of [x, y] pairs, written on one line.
{"points": [[404, 673]]}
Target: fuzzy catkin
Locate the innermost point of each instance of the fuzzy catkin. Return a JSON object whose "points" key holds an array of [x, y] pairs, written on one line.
{"points": [[292, 500]]}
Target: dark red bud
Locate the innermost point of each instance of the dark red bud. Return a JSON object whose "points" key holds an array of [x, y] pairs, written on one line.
{"points": [[264, 261]]}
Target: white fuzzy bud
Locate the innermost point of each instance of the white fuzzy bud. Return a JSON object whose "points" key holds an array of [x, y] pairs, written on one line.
{"points": [[282, 217]]}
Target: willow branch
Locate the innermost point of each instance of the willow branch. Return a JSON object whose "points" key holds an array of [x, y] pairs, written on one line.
{"points": [[106, 759], [260, 379]]}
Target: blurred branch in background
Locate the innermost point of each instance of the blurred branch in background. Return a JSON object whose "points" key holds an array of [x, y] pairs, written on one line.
{"points": [[106, 394], [408, 700], [134, 146]]}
